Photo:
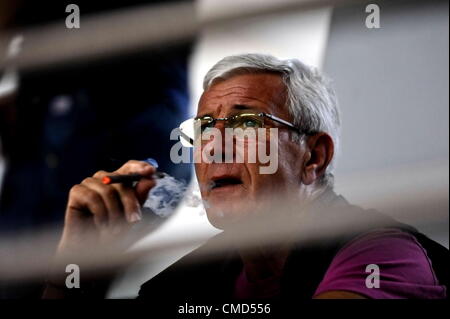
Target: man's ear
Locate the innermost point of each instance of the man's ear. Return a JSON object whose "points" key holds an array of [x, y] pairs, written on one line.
{"points": [[319, 153]]}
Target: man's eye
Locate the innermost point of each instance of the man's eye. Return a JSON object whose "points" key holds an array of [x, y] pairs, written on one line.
{"points": [[250, 123]]}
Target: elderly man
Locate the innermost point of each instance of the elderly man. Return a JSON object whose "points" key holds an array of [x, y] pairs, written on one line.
{"points": [[259, 91]]}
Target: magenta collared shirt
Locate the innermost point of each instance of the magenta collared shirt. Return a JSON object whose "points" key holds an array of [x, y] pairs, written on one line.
{"points": [[405, 271]]}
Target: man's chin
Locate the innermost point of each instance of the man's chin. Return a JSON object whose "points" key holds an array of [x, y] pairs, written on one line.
{"points": [[225, 216]]}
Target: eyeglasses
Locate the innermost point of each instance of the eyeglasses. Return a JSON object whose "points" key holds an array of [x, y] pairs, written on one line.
{"points": [[192, 128]]}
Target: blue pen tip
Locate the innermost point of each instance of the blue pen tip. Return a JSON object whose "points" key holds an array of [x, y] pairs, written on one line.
{"points": [[152, 162]]}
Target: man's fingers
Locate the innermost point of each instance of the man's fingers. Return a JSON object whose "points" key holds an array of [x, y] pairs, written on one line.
{"points": [[114, 204], [110, 197], [137, 167], [101, 174], [148, 182], [104, 211], [84, 199], [130, 203]]}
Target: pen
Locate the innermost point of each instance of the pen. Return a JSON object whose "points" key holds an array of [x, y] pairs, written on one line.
{"points": [[128, 178]]}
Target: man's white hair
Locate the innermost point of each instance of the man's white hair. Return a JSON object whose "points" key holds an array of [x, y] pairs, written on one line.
{"points": [[311, 100]]}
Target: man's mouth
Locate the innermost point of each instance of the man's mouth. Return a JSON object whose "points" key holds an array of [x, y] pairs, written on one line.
{"points": [[224, 182]]}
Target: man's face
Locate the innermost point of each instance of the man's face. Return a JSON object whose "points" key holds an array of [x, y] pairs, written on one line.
{"points": [[243, 189]]}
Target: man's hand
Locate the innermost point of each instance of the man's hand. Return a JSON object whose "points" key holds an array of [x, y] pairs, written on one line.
{"points": [[99, 214]]}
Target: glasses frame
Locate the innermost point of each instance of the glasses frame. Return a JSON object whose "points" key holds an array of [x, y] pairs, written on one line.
{"points": [[261, 114]]}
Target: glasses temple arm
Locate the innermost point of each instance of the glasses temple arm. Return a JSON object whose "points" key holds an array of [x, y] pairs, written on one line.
{"points": [[277, 119], [187, 138]]}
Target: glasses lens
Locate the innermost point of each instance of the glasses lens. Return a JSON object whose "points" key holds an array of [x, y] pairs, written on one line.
{"points": [[247, 121], [187, 132], [191, 129]]}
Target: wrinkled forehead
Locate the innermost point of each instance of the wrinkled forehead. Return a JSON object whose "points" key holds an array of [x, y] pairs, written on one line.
{"points": [[264, 92]]}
